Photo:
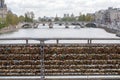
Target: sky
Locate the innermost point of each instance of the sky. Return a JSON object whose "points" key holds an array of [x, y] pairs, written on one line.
{"points": [[52, 7]]}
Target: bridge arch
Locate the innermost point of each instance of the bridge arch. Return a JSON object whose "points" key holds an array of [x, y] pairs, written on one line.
{"points": [[91, 25], [26, 25]]}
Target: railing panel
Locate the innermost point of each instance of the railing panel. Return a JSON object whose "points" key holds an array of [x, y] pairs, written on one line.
{"points": [[59, 59]]}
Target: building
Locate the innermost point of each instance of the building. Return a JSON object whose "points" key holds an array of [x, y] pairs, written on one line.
{"points": [[3, 9], [111, 15], [99, 16], [72, 15], [66, 15]]}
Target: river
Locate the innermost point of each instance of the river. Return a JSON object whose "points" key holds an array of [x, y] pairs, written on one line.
{"points": [[59, 32]]}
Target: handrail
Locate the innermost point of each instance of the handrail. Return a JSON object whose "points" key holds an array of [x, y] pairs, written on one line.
{"points": [[59, 38], [89, 40], [62, 77], [42, 40]]}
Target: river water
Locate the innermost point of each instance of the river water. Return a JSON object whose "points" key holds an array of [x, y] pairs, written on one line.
{"points": [[59, 32]]}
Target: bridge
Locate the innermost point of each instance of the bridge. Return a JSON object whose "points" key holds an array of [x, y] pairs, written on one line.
{"points": [[66, 24], [28, 25], [88, 60], [80, 24]]}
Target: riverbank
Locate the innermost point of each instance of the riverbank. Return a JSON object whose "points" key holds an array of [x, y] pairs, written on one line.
{"points": [[9, 29], [110, 30]]}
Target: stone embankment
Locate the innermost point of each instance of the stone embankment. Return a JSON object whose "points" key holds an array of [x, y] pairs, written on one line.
{"points": [[10, 29], [118, 34], [110, 30]]}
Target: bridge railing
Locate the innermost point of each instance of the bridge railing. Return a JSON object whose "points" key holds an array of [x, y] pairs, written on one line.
{"points": [[42, 42], [62, 40]]}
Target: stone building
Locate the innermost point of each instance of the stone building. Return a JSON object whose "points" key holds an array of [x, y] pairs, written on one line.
{"points": [[111, 15], [114, 14], [3, 9], [99, 16]]}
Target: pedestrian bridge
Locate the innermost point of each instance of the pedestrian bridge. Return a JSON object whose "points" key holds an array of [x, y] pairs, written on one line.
{"points": [[90, 60]]}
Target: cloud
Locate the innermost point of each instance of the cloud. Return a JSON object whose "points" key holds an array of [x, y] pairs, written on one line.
{"points": [[53, 7]]}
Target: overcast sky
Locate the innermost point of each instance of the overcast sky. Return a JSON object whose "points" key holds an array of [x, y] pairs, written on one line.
{"points": [[52, 7]]}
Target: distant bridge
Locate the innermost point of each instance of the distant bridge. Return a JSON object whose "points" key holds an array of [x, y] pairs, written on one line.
{"points": [[66, 24], [80, 24], [28, 25]]}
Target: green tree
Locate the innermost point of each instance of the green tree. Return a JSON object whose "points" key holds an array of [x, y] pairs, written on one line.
{"points": [[21, 18], [81, 18], [9, 18], [84, 17], [15, 19], [88, 18], [12, 19], [2, 23], [68, 19], [29, 17]]}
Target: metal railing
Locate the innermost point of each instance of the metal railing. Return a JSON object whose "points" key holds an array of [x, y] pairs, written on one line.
{"points": [[57, 40], [61, 77], [42, 43]]}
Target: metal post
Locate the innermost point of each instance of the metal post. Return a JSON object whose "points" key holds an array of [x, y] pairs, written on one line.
{"points": [[42, 60], [89, 41], [26, 41], [57, 41]]}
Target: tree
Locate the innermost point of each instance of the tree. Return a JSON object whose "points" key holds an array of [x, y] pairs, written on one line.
{"points": [[56, 18], [2, 23], [21, 18], [9, 18], [68, 19], [12, 19], [81, 18], [32, 15], [85, 18], [88, 18], [29, 16], [15, 19]]}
